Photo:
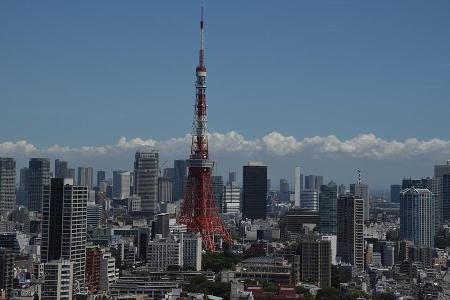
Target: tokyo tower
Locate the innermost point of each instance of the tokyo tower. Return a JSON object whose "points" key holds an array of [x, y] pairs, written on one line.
{"points": [[198, 209]]}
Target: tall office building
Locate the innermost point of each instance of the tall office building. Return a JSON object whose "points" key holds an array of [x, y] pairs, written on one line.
{"points": [[231, 198], [254, 194], [121, 184], [64, 225], [61, 169], [22, 191], [231, 176], [165, 188], [86, 177], [71, 174], [6, 271], [57, 283], [179, 180], [217, 190], [361, 190], [101, 176], [313, 182], [146, 172], [285, 192], [417, 213], [327, 208], [7, 185], [442, 176], [350, 230], [315, 265], [342, 190], [298, 186], [395, 193], [38, 177], [309, 199]]}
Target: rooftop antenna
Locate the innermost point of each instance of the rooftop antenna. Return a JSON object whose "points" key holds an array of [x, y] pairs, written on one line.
{"points": [[359, 176]]}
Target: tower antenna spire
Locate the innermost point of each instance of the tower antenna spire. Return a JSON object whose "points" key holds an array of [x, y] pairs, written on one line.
{"points": [[202, 40]]}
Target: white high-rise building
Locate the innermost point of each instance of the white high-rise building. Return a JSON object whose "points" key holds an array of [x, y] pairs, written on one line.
{"points": [[64, 225], [232, 198], [57, 281], [297, 186], [86, 177], [121, 184]]}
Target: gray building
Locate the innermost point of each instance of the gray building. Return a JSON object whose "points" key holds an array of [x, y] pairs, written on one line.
{"points": [[57, 283], [7, 185], [309, 199], [361, 191], [180, 174], [146, 172], [61, 169], [64, 225], [395, 193], [86, 177], [165, 188], [121, 184], [285, 191], [38, 177], [313, 182], [442, 176], [350, 230], [101, 176], [417, 213], [327, 208], [6, 271], [231, 198], [217, 190]]}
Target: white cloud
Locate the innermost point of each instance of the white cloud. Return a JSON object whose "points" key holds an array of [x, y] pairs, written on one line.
{"points": [[363, 146]]}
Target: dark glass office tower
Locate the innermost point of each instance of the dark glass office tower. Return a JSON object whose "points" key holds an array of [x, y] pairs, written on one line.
{"points": [[38, 177], [180, 173], [254, 196]]}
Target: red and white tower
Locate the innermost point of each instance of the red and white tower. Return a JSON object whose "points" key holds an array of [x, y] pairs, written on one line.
{"points": [[198, 209]]}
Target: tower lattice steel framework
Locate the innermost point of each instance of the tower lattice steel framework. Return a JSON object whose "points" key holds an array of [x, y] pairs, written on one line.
{"points": [[198, 209]]}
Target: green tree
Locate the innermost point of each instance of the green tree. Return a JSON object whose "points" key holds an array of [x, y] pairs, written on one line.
{"points": [[329, 293], [339, 275], [217, 262], [302, 291]]}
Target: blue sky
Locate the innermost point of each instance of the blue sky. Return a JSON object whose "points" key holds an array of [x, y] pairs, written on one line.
{"points": [[89, 72]]}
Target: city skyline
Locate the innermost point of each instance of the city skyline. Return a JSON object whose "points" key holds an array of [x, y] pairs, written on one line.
{"points": [[319, 120]]}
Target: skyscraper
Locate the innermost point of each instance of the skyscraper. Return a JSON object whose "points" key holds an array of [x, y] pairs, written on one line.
{"points": [[165, 190], [442, 175], [285, 192], [38, 177], [217, 189], [101, 176], [361, 190], [350, 230], [64, 225], [254, 195], [86, 177], [180, 170], [7, 185], [146, 170], [298, 185], [395, 193], [327, 208], [61, 169], [22, 191], [71, 174], [121, 184], [313, 182], [417, 213]]}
